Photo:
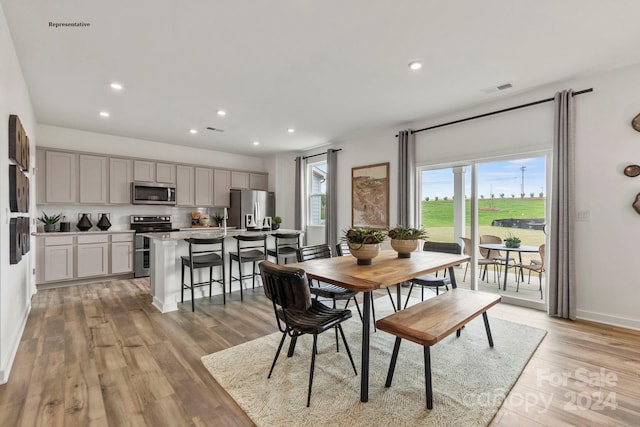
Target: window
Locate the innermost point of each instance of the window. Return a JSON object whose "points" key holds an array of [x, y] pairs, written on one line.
{"points": [[317, 191]]}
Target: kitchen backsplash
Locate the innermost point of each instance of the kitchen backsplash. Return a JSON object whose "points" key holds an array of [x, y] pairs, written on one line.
{"points": [[120, 216]]}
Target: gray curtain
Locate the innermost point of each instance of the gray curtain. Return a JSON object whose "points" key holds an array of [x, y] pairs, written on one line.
{"points": [[406, 179], [561, 274], [331, 209], [299, 200]]}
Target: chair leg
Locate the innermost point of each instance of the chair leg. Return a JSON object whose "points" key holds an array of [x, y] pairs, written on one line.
{"points": [[224, 279], [210, 281], [193, 298], [292, 346], [336, 328], [344, 339], [408, 295], [275, 359], [465, 272], [393, 304], [182, 285], [313, 365], [373, 315], [355, 300]]}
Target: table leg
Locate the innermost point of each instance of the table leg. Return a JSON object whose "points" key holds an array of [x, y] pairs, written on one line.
{"points": [[364, 369], [506, 270], [452, 277]]}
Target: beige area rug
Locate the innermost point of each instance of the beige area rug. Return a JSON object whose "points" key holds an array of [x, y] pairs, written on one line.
{"points": [[470, 379]]}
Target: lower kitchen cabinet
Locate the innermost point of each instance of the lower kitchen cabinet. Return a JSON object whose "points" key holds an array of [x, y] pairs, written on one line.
{"points": [[79, 256], [92, 255]]}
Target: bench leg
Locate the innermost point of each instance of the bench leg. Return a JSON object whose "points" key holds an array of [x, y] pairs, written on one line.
{"points": [[392, 366], [488, 329], [427, 377]]}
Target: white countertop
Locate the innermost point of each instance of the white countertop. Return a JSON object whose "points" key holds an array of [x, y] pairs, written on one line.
{"points": [[207, 233], [71, 233]]}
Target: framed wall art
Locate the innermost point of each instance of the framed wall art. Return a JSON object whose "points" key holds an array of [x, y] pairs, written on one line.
{"points": [[370, 196]]}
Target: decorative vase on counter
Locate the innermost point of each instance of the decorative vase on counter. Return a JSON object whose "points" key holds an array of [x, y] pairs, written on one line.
{"points": [[104, 224], [84, 223], [48, 228]]}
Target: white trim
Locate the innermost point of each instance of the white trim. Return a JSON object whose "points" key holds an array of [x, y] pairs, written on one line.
{"points": [[6, 369], [623, 322]]}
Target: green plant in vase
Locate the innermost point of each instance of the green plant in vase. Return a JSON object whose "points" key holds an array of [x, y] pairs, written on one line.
{"points": [[49, 221], [404, 240], [512, 242], [364, 243], [275, 223]]}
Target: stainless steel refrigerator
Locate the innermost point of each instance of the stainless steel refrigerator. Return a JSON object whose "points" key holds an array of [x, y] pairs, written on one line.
{"points": [[260, 204]]}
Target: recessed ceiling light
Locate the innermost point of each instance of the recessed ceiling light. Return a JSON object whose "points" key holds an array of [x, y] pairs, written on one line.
{"points": [[415, 65], [194, 131], [291, 130], [222, 113], [256, 143], [104, 114], [116, 86]]}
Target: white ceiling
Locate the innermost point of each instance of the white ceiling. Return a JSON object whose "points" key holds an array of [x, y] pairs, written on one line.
{"points": [[327, 68]]}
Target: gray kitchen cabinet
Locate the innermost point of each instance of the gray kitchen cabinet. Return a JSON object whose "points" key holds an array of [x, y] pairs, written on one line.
{"points": [[120, 177], [41, 179], [61, 177], [166, 173], [203, 187], [185, 183], [144, 171], [221, 187], [57, 256], [92, 255], [239, 180], [121, 253], [93, 174], [258, 181]]}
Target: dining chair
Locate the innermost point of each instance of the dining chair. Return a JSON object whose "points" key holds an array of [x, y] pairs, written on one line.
{"points": [[285, 246], [203, 253], [297, 313], [497, 256], [429, 280], [253, 249], [483, 263], [535, 265]]}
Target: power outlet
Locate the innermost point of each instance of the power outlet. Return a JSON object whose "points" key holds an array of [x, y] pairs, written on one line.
{"points": [[584, 216]]}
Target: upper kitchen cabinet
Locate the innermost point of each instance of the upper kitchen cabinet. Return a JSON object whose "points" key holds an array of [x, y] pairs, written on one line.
{"points": [[239, 180], [259, 181], [165, 173], [203, 187], [120, 177], [93, 179], [185, 192], [144, 171], [221, 187], [61, 180]]}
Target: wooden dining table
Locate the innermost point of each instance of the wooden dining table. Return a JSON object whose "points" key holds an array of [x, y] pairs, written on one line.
{"points": [[386, 270]]}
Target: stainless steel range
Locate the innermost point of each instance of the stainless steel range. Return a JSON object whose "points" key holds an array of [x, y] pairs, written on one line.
{"points": [[146, 224]]}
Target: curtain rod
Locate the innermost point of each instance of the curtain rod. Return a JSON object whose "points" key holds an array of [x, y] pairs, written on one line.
{"points": [[517, 107], [320, 154]]}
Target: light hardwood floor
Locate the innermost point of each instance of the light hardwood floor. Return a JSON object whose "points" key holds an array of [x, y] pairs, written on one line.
{"points": [[101, 355]]}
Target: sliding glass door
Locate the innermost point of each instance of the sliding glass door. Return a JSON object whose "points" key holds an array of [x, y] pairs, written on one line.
{"points": [[509, 201]]}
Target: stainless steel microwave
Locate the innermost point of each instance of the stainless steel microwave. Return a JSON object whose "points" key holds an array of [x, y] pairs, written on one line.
{"points": [[151, 193]]}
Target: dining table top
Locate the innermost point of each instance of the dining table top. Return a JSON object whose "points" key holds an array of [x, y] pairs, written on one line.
{"points": [[385, 270], [502, 247]]}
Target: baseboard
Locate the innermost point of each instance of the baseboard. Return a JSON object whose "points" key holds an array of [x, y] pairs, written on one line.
{"points": [[6, 369], [608, 319]]}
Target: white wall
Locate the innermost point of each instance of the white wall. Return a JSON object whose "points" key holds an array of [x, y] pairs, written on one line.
{"points": [[16, 282], [606, 245], [73, 139]]}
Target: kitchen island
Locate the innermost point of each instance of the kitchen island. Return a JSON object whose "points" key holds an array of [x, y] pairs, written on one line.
{"points": [[166, 250]]}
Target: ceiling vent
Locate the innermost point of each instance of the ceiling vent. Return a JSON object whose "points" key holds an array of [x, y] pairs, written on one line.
{"points": [[499, 88], [215, 129]]}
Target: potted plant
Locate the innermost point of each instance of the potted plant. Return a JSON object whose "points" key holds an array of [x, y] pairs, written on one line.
{"points": [[512, 242], [275, 223], [404, 240], [49, 221], [364, 243], [218, 218]]}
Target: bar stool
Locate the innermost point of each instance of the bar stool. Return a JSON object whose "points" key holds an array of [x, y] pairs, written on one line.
{"points": [[286, 245], [203, 253], [249, 249]]}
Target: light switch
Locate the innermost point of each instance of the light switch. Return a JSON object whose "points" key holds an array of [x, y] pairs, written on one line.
{"points": [[584, 215]]}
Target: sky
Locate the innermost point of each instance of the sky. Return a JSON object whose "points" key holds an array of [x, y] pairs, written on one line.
{"points": [[497, 177]]}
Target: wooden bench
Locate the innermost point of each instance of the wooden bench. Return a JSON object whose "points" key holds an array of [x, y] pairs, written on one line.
{"points": [[430, 321]]}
